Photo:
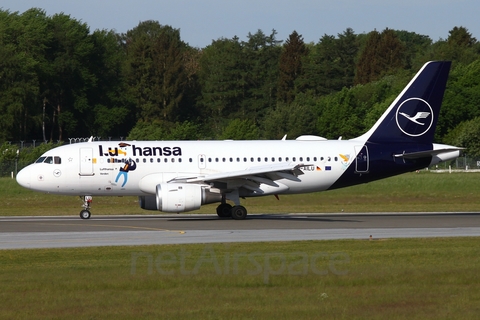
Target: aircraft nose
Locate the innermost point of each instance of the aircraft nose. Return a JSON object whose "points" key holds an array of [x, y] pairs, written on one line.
{"points": [[23, 178]]}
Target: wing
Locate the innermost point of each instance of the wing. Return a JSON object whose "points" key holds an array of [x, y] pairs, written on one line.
{"points": [[256, 179]]}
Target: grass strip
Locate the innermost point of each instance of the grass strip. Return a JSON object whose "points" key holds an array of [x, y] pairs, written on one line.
{"points": [[348, 279]]}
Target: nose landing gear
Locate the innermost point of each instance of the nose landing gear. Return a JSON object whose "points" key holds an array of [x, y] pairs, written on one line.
{"points": [[85, 213]]}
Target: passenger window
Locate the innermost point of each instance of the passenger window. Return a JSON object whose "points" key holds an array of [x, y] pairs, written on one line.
{"points": [[259, 160], [294, 159], [190, 160]]}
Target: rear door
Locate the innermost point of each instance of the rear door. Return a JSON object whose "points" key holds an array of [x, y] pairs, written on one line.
{"points": [[361, 161]]}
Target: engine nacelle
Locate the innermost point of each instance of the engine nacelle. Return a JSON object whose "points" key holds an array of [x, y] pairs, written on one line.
{"points": [[179, 197]]}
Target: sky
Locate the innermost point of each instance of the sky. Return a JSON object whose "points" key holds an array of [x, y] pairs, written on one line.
{"points": [[202, 21]]}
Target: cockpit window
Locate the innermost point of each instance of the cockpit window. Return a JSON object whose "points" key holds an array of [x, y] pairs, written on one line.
{"points": [[40, 160], [49, 160]]}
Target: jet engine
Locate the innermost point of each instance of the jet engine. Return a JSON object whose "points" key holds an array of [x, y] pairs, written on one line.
{"points": [[179, 197]]}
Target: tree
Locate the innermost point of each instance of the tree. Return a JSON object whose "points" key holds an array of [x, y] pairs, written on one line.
{"points": [[466, 135], [23, 41], [155, 70], [69, 76], [383, 54], [460, 46], [240, 130], [222, 81], [109, 109], [290, 67], [341, 115], [330, 65], [289, 119], [261, 74], [417, 46], [462, 98]]}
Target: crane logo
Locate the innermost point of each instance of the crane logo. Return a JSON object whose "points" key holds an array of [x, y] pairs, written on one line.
{"points": [[414, 117]]}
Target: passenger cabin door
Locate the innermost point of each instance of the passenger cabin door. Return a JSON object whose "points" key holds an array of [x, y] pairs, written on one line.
{"points": [[86, 162], [362, 159]]}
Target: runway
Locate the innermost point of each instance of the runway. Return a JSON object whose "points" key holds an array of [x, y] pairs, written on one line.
{"points": [[71, 231]]}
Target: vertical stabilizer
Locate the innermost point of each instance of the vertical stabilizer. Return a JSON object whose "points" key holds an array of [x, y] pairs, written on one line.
{"points": [[413, 116]]}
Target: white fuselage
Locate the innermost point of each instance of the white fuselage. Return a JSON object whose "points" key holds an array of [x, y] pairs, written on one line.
{"points": [[95, 168]]}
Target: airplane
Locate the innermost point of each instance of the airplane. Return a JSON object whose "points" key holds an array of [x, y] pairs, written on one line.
{"points": [[181, 176]]}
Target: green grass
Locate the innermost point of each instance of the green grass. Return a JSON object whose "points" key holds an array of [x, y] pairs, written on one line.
{"points": [[346, 279], [411, 192], [379, 279]]}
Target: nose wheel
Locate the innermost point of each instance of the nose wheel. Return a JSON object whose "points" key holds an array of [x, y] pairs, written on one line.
{"points": [[85, 213]]}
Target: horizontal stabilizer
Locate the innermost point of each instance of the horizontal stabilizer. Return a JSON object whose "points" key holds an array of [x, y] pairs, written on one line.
{"points": [[425, 154]]}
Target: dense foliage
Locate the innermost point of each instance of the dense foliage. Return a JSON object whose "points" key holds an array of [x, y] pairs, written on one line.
{"points": [[58, 80]]}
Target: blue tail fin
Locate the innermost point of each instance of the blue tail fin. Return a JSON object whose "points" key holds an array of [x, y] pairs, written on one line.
{"points": [[413, 116]]}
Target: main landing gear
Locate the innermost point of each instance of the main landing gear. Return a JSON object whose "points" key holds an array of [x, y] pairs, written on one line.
{"points": [[237, 212], [85, 213], [226, 210]]}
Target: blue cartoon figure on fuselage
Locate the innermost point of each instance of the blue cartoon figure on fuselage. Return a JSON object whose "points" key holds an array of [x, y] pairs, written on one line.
{"points": [[128, 165]]}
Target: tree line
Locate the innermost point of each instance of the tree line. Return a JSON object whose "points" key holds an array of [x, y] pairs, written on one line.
{"points": [[58, 80]]}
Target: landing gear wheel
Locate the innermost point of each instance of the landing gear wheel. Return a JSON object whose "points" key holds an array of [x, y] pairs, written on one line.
{"points": [[224, 210], [85, 214], [239, 212]]}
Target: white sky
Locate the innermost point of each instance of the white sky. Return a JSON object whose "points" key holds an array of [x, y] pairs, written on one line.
{"points": [[201, 21]]}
